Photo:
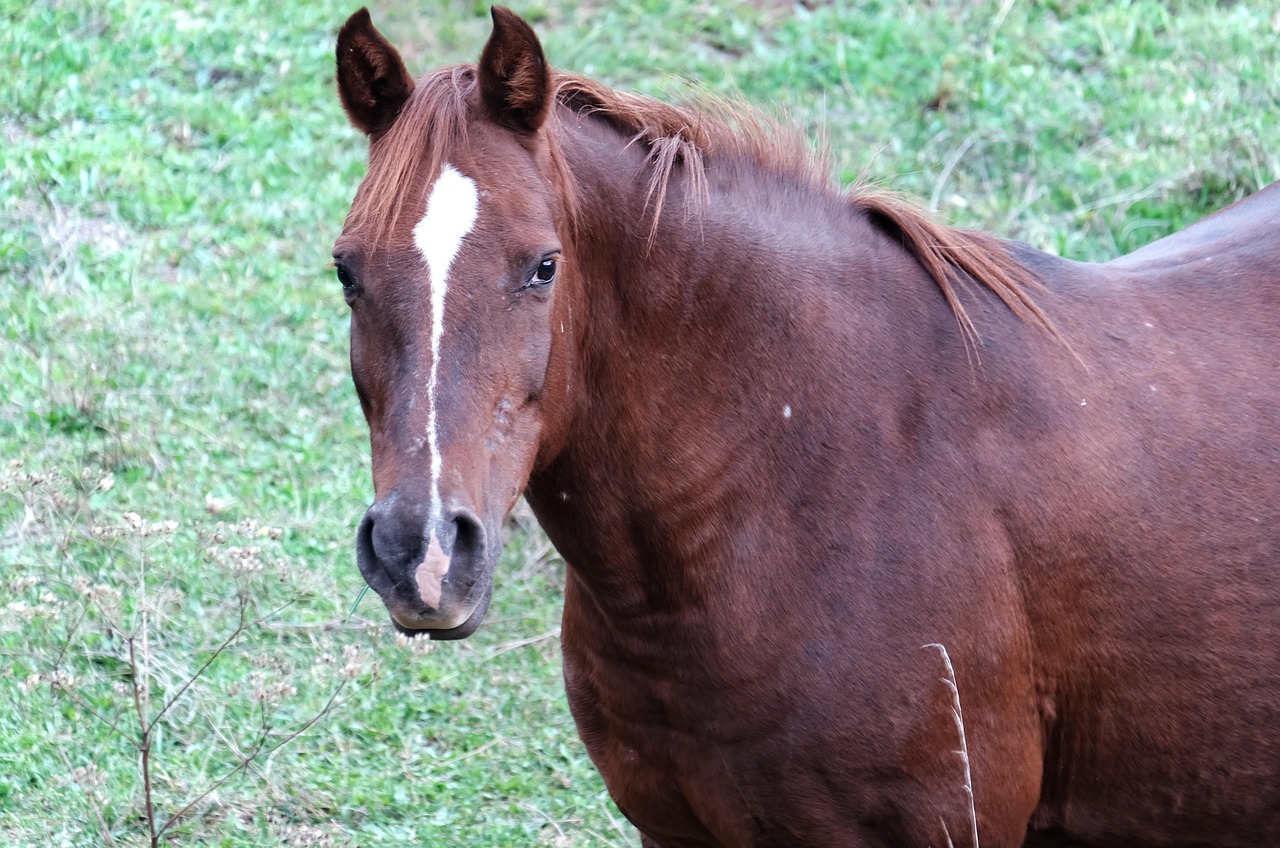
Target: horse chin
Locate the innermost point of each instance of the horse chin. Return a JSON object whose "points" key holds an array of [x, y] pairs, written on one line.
{"points": [[413, 626]]}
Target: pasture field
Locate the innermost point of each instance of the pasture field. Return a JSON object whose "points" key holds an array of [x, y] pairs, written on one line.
{"points": [[186, 655]]}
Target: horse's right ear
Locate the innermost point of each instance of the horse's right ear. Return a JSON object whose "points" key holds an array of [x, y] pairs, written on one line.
{"points": [[372, 81]]}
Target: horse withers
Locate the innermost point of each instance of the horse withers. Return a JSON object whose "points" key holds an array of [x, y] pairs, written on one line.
{"points": [[841, 491]]}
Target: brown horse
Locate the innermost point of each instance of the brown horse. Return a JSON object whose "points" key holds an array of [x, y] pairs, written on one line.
{"points": [[787, 437]]}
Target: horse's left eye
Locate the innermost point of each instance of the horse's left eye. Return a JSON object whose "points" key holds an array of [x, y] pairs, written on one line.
{"points": [[545, 274]]}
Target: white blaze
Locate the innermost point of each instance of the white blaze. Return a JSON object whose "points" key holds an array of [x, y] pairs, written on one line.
{"points": [[452, 207]]}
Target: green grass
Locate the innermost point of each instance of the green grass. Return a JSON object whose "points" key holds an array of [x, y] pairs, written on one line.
{"points": [[172, 345]]}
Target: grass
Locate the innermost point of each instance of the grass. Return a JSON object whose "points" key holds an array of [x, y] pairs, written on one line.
{"points": [[172, 349]]}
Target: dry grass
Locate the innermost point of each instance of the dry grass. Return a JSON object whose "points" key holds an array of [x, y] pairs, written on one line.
{"points": [[957, 715]]}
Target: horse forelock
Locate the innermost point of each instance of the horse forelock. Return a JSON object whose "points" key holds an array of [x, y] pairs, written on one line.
{"points": [[431, 123]]}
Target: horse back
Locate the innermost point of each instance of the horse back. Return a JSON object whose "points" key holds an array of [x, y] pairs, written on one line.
{"points": [[1246, 233]]}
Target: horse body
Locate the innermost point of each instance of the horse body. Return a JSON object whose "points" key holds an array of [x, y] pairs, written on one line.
{"points": [[782, 474], [1044, 513]]}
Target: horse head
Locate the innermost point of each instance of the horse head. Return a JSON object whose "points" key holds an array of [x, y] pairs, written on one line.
{"points": [[455, 265]]}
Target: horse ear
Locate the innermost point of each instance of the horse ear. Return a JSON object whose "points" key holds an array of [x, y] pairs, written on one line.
{"points": [[515, 82], [372, 81]]}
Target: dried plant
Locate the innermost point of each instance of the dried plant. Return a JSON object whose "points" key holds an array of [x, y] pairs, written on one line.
{"points": [[957, 714], [129, 656]]}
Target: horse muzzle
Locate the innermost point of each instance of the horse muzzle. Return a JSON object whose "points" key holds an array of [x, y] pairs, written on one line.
{"points": [[434, 576]]}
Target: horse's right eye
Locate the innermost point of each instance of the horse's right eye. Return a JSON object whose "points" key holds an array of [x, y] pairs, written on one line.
{"points": [[348, 282]]}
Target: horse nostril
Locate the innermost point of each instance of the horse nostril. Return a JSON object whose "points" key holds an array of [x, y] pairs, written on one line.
{"points": [[369, 557], [470, 534], [364, 535], [390, 537], [467, 558], [468, 537]]}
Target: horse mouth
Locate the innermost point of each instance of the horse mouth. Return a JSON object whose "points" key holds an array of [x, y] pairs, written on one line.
{"points": [[442, 628]]}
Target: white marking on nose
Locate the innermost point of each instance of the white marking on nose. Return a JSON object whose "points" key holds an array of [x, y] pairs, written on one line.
{"points": [[431, 573], [452, 207], [786, 412]]}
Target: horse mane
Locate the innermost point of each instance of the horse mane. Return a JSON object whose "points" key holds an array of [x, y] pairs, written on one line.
{"points": [[952, 256], [681, 135], [685, 136], [434, 119]]}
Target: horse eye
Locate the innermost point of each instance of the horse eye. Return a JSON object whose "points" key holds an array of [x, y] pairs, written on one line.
{"points": [[545, 274], [344, 277]]}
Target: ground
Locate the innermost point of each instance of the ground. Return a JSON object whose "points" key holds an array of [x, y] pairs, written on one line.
{"points": [[180, 443]]}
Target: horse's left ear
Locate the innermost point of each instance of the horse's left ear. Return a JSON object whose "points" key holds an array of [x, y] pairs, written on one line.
{"points": [[515, 82]]}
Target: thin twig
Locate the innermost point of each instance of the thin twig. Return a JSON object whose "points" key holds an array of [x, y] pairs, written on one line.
{"points": [[1005, 8], [83, 705], [952, 161], [469, 754], [329, 625], [258, 747], [241, 625], [144, 741], [217, 652], [71, 632], [622, 831], [530, 806], [553, 633]]}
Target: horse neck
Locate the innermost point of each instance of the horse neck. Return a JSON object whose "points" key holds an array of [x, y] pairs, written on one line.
{"points": [[706, 357]]}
